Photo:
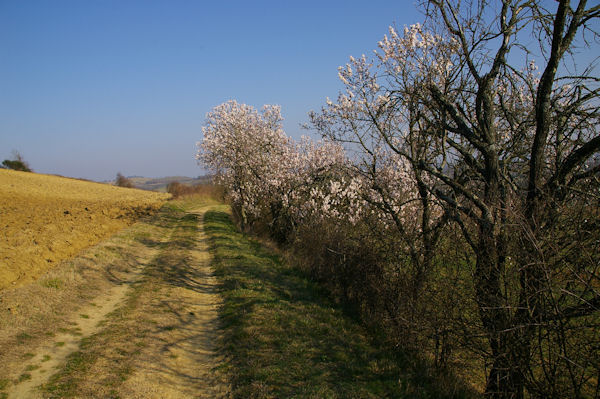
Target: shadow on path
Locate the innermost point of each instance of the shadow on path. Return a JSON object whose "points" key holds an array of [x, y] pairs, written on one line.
{"points": [[181, 357]]}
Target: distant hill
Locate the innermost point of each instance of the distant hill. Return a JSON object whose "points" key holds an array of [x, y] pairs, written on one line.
{"points": [[161, 183]]}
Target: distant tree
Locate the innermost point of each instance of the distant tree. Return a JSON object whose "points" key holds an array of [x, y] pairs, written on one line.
{"points": [[122, 181], [17, 163]]}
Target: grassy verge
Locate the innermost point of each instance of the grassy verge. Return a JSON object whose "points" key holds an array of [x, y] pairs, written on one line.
{"points": [[284, 339]]}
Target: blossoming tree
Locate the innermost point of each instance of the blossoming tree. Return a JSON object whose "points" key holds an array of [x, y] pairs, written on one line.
{"points": [[509, 156], [267, 175], [247, 150]]}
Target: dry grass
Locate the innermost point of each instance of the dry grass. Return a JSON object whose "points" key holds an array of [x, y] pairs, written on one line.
{"points": [[44, 310], [46, 219]]}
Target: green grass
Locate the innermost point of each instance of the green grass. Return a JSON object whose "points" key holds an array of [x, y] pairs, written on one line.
{"points": [[3, 385], [55, 283], [285, 339], [22, 337], [59, 387]]}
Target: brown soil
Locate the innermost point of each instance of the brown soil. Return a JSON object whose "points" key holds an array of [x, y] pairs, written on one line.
{"points": [[46, 219], [135, 317]]}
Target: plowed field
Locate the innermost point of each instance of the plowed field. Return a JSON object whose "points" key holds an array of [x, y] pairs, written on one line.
{"points": [[46, 219]]}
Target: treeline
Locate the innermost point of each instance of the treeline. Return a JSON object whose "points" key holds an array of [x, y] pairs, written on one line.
{"points": [[454, 199], [177, 190]]}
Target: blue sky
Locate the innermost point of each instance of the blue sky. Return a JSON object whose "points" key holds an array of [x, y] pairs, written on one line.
{"points": [[91, 88]]}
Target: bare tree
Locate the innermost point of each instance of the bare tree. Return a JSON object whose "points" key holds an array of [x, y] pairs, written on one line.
{"points": [[515, 166]]}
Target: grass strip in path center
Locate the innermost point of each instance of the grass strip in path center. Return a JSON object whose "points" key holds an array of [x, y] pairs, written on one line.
{"points": [[284, 339]]}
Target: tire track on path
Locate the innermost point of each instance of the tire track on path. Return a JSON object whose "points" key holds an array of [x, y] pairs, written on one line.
{"points": [[53, 354], [152, 335], [89, 319], [155, 335], [181, 358]]}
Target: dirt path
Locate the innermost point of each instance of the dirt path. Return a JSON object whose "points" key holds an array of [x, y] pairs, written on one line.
{"points": [[180, 359], [53, 353], [153, 335]]}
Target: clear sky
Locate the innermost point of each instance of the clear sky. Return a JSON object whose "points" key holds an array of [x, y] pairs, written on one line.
{"points": [[91, 88]]}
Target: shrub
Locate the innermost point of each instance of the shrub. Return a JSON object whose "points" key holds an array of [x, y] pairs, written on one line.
{"points": [[17, 163], [122, 181]]}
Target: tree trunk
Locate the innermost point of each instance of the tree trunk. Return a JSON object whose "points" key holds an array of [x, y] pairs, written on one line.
{"points": [[505, 378]]}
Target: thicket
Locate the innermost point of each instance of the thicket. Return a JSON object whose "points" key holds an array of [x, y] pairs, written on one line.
{"points": [[454, 199]]}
